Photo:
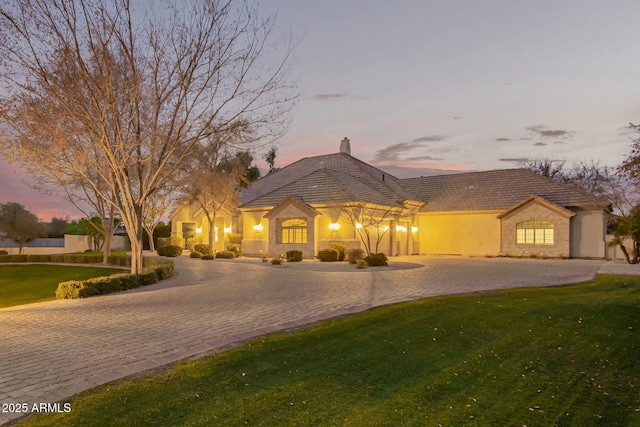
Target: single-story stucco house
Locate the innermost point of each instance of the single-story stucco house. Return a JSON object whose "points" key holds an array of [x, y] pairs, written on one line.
{"points": [[338, 198]]}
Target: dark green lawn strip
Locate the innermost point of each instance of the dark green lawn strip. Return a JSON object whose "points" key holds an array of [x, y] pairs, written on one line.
{"points": [[550, 356], [24, 284]]}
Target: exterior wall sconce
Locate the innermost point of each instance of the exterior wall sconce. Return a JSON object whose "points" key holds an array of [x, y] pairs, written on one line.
{"points": [[334, 226], [401, 228], [227, 230], [257, 228], [198, 230], [358, 225], [414, 229]]}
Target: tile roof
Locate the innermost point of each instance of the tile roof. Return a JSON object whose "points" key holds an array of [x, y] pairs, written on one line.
{"points": [[339, 177], [496, 189], [330, 178]]}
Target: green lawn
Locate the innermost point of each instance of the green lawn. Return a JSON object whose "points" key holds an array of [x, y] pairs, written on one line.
{"points": [[566, 356], [23, 284]]}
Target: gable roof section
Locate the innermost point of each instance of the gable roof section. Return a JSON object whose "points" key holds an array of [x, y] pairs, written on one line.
{"points": [[326, 179], [495, 190], [540, 201], [292, 201]]}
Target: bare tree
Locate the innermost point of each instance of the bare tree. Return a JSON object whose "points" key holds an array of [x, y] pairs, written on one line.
{"points": [[371, 222], [118, 98], [157, 206], [19, 224], [553, 169]]}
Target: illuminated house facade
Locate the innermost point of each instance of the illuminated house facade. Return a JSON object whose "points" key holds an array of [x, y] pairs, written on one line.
{"points": [[338, 198]]}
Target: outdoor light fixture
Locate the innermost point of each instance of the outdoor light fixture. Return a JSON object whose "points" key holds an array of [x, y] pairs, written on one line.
{"points": [[257, 227], [198, 230], [358, 225], [414, 229], [401, 228], [334, 226], [227, 230]]}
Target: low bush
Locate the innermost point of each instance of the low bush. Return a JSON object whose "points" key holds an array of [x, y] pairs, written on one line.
{"points": [[195, 254], [361, 263], [328, 255], [74, 289], [33, 258], [57, 258], [294, 256], [203, 249], [120, 260], [234, 238], [276, 261], [354, 255], [208, 256], [341, 248], [18, 258], [3, 252], [170, 251], [235, 248], [170, 241], [190, 243], [225, 254], [45, 258], [376, 260]]}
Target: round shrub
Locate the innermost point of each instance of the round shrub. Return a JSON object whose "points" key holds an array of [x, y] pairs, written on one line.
{"points": [[195, 254], [328, 255], [276, 261], [354, 255], [171, 251], [235, 248], [203, 249], [341, 248], [225, 254], [376, 260], [294, 256], [208, 256], [3, 252]]}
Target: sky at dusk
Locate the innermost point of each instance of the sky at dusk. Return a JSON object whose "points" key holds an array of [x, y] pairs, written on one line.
{"points": [[419, 86]]}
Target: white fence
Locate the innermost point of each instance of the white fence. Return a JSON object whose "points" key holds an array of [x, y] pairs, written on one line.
{"points": [[69, 244]]}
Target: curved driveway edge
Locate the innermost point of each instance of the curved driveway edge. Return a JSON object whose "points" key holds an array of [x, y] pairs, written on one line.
{"points": [[51, 351]]}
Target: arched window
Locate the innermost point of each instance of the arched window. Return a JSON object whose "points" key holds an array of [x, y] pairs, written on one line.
{"points": [[294, 231], [534, 233]]}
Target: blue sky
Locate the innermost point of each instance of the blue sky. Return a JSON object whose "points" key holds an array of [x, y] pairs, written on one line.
{"points": [[419, 86]]}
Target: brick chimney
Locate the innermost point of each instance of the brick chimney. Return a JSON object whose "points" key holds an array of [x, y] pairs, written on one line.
{"points": [[345, 147]]}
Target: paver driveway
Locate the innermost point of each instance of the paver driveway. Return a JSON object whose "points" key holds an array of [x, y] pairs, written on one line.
{"points": [[53, 350]]}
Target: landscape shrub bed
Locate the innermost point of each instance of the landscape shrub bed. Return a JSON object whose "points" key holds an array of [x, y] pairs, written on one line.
{"points": [[74, 289], [354, 255], [203, 249], [195, 254], [341, 248]]}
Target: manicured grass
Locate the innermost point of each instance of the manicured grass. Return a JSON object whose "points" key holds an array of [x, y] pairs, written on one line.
{"points": [[24, 284], [566, 355]]}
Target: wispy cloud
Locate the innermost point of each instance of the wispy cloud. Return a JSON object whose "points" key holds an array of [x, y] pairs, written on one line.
{"points": [[398, 152], [503, 139], [458, 117], [337, 96], [539, 144], [550, 133], [514, 159]]}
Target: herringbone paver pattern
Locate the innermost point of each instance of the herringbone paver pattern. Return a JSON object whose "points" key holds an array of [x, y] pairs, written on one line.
{"points": [[50, 351]]}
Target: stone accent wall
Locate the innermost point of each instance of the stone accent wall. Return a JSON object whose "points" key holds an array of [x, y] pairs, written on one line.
{"points": [[275, 236], [536, 212]]}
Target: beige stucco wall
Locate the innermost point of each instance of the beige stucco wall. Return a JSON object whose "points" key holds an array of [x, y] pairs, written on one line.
{"points": [[588, 234], [255, 243], [536, 212], [459, 233]]}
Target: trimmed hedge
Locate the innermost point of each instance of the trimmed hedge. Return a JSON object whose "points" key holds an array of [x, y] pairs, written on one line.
{"points": [[208, 256], [328, 255], [225, 254], [170, 251], [170, 241], [235, 248], [3, 252], [195, 254], [203, 249], [376, 260], [74, 289], [294, 256]]}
